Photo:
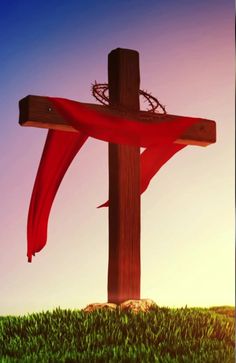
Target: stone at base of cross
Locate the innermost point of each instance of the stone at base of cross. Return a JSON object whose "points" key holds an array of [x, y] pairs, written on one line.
{"points": [[142, 305]]}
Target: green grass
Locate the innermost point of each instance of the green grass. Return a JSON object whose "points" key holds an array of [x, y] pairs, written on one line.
{"points": [[187, 335]]}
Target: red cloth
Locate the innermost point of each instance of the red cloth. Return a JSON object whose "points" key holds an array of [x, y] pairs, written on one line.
{"points": [[61, 147]]}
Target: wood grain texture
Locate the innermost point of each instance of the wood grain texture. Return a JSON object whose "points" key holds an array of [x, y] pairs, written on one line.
{"points": [[124, 184], [36, 111]]}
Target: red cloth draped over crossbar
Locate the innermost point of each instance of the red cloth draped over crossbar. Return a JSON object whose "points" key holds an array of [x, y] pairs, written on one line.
{"points": [[61, 147]]}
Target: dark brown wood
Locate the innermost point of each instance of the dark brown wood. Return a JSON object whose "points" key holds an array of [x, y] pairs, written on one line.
{"points": [[124, 185], [124, 172], [36, 111]]}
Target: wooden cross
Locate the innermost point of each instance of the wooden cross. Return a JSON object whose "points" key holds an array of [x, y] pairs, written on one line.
{"points": [[124, 166]]}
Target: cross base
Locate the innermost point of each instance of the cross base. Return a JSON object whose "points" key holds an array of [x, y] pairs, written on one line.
{"points": [[141, 305]]}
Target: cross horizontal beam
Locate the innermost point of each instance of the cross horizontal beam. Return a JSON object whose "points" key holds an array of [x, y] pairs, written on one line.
{"points": [[37, 111]]}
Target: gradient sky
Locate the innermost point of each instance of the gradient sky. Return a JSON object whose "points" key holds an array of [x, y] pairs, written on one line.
{"points": [[58, 48]]}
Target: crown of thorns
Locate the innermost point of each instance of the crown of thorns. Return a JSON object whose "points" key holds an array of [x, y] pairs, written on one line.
{"points": [[101, 92]]}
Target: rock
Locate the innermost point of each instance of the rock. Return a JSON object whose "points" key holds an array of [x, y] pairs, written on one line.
{"points": [[98, 306], [143, 305]]}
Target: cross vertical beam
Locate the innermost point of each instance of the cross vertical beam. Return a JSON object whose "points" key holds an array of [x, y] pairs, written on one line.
{"points": [[124, 184]]}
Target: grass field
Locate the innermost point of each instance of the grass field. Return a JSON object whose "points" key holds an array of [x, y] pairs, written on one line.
{"points": [[163, 335]]}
